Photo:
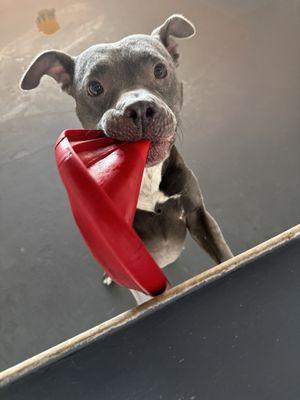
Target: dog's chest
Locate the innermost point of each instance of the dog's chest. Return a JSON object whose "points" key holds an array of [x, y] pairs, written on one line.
{"points": [[150, 194]]}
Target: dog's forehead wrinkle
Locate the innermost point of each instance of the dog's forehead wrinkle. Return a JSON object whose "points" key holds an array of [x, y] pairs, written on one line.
{"points": [[144, 48], [135, 47], [90, 58]]}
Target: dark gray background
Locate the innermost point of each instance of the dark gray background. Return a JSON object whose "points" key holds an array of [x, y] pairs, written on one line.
{"points": [[241, 126]]}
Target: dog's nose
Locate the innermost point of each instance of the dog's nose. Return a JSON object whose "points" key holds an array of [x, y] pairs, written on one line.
{"points": [[141, 113]]}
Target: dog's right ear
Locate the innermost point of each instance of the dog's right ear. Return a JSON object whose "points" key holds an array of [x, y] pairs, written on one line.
{"points": [[58, 65]]}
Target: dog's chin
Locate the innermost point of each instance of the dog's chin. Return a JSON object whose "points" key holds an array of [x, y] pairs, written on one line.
{"points": [[159, 151]]}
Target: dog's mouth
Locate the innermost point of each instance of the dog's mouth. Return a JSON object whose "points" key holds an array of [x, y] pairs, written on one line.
{"points": [[161, 132]]}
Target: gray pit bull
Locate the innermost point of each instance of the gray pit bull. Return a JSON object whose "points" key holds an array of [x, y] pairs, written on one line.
{"points": [[131, 91]]}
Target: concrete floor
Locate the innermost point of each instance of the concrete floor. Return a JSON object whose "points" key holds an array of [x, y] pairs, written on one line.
{"points": [[241, 137]]}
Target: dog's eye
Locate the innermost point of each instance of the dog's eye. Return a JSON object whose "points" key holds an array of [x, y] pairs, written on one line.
{"points": [[95, 88], [160, 71]]}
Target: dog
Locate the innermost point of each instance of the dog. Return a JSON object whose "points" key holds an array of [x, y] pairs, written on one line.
{"points": [[131, 91]]}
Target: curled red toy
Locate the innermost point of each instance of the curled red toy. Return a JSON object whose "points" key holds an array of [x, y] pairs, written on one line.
{"points": [[102, 177]]}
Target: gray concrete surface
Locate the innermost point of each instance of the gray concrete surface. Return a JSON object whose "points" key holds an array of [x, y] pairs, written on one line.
{"points": [[241, 127]]}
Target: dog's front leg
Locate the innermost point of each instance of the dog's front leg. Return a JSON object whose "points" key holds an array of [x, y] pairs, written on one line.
{"points": [[179, 179], [206, 232]]}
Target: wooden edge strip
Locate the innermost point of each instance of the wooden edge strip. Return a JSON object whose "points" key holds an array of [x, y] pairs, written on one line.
{"points": [[11, 374]]}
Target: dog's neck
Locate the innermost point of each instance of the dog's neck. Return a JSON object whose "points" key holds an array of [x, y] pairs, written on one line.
{"points": [[150, 193]]}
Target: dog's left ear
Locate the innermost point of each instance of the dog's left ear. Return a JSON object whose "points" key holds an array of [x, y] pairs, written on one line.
{"points": [[176, 26]]}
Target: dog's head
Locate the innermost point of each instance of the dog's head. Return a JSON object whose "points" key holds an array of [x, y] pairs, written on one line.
{"points": [[129, 88]]}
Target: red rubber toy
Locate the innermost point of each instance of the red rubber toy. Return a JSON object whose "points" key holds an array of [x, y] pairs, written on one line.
{"points": [[102, 177]]}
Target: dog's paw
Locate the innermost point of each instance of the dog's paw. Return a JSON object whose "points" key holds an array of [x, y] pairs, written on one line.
{"points": [[106, 280]]}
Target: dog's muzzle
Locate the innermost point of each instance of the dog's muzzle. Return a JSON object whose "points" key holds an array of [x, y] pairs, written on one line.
{"points": [[142, 115]]}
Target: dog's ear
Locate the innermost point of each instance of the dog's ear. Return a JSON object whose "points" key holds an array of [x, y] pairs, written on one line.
{"points": [[176, 26], [56, 64]]}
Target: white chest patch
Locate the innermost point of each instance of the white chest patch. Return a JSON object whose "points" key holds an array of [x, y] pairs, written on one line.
{"points": [[150, 193]]}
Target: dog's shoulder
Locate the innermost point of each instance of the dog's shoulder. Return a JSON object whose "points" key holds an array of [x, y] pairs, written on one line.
{"points": [[175, 174], [152, 190], [169, 179], [179, 180]]}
